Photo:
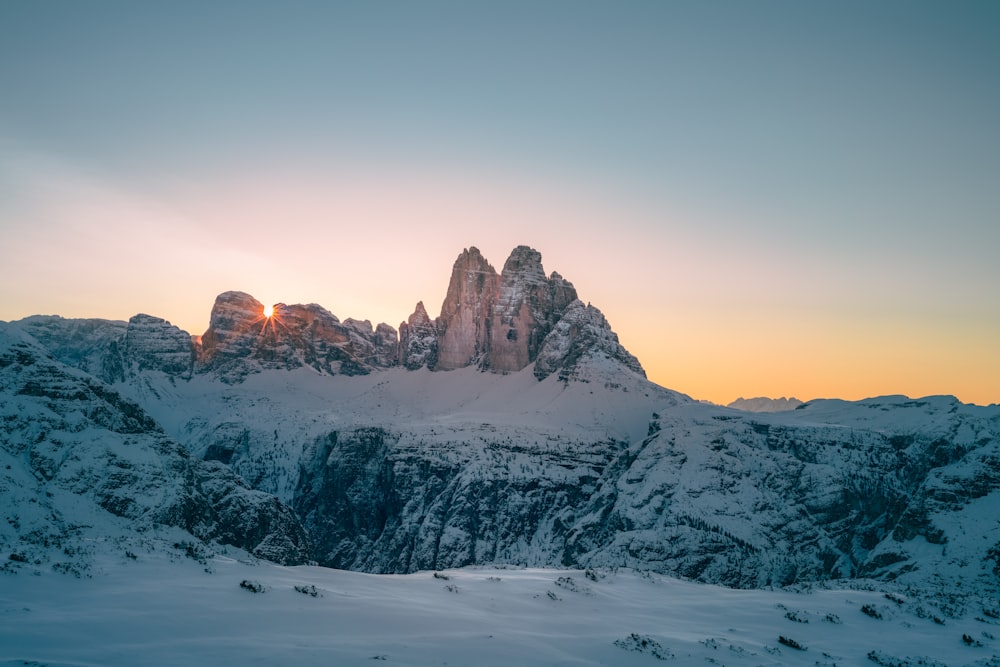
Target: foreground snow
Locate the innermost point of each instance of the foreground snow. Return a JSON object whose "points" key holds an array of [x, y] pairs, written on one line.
{"points": [[172, 609]]}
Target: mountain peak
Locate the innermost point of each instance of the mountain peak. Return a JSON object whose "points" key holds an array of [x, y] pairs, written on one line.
{"points": [[472, 291], [528, 306], [498, 322]]}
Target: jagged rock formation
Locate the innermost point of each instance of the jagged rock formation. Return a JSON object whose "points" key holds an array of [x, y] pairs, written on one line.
{"points": [[292, 337], [465, 314], [418, 340], [152, 343], [494, 322], [65, 431], [582, 332], [528, 307], [111, 350], [499, 322]]}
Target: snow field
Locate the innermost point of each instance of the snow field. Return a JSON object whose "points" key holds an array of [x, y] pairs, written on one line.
{"points": [[165, 609]]}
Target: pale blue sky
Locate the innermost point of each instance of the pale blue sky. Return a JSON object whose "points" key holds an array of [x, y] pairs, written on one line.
{"points": [[803, 166]]}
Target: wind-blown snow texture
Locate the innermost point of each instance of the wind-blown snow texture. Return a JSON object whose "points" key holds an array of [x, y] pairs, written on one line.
{"points": [[304, 437], [154, 608]]}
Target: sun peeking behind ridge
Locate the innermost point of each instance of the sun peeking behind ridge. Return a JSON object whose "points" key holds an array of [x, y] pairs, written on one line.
{"points": [[268, 311]]}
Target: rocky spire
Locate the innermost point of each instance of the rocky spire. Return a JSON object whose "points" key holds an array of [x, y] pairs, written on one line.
{"points": [[528, 306], [418, 340], [498, 322], [466, 311]]}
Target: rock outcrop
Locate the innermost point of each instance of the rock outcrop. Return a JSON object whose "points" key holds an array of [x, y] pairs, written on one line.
{"points": [[528, 306], [111, 350], [466, 312], [499, 323], [152, 343], [418, 340], [241, 339], [582, 332], [496, 322]]}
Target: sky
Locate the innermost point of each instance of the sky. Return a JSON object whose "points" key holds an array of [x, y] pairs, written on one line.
{"points": [[764, 199]]}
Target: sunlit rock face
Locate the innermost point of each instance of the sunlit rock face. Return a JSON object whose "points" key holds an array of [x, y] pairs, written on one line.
{"points": [[466, 312], [241, 339], [497, 322], [233, 328], [527, 307]]}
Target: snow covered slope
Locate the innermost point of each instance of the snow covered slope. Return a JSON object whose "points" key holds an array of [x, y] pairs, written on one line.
{"points": [[399, 471], [157, 609], [75, 453]]}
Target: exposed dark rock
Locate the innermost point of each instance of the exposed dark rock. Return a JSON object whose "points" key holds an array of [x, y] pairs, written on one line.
{"points": [[582, 332], [418, 340]]}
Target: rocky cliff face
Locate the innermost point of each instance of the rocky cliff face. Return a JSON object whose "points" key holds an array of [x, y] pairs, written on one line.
{"points": [[891, 489], [152, 343], [528, 306], [465, 314], [500, 323], [240, 339], [582, 332], [92, 345], [884, 488], [111, 350], [418, 340], [495, 322]]}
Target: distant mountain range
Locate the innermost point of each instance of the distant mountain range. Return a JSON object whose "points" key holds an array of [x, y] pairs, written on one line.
{"points": [[513, 428], [763, 404]]}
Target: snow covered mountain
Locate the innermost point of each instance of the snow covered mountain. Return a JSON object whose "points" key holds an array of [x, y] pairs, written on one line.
{"points": [[512, 429], [72, 446]]}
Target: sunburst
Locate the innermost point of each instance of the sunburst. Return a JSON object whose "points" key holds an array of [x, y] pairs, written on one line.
{"points": [[270, 315]]}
